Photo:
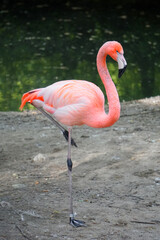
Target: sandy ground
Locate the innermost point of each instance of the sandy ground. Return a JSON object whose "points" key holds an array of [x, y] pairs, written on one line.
{"points": [[116, 177]]}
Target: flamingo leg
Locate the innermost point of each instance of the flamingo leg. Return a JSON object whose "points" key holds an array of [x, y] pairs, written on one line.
{"points": [[73, 221], [63, 130]]}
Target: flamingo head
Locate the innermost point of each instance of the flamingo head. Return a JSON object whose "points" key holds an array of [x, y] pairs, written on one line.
{"points": [[117, 53]]}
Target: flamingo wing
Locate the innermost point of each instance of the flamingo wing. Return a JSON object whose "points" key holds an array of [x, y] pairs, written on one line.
{"points": [[68, 101]]}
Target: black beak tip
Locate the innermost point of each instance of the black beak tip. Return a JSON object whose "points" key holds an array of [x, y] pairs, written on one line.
{"points": [[121, 71]]}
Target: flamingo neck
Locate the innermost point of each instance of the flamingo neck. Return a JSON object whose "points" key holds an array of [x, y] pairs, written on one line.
{"points": [[111, 91]]}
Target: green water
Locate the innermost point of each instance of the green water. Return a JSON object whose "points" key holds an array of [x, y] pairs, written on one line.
{"points": [[42, 42]]}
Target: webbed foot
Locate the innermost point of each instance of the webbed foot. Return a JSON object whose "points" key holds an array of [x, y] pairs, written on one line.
{"points": [[65, 134], [77, 223]]}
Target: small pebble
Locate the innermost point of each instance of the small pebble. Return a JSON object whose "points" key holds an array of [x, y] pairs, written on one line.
{"points": [[157, 180]]}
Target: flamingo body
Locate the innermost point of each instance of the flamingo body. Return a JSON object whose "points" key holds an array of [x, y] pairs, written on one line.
{"points": [[71, 102], [78, 102]]}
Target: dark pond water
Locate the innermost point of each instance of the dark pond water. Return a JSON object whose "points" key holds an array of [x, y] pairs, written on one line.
{"points": [[42, 42]]}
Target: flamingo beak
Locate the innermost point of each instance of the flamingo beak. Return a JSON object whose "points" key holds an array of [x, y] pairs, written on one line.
{"points": [[122, 64]]}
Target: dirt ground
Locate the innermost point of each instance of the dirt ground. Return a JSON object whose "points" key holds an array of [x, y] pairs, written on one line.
{"points": [[116, 177]]}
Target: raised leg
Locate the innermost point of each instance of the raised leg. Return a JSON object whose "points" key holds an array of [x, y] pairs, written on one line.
{"points": [[63, 130], [73, 221]]}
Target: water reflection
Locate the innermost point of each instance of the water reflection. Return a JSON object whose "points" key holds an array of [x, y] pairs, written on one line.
{"points": [[42, 44]]}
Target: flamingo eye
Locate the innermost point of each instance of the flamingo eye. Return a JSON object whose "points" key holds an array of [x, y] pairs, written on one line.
{"points": [[119, 52]]}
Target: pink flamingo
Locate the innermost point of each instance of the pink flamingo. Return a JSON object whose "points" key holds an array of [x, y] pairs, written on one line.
{"points": [[78, 102]]}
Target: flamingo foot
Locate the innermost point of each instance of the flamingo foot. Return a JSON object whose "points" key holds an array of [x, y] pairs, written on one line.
{"points": [[65, 134], [76, 223]]}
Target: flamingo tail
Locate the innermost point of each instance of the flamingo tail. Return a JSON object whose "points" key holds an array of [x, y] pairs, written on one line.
{"points": [[30, 96]]}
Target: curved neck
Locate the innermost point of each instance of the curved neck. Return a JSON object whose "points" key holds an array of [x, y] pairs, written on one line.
{"points": [[111, 92]]}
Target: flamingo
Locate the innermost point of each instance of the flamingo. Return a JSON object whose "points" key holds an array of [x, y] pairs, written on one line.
{"points": [[79, 102]]}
